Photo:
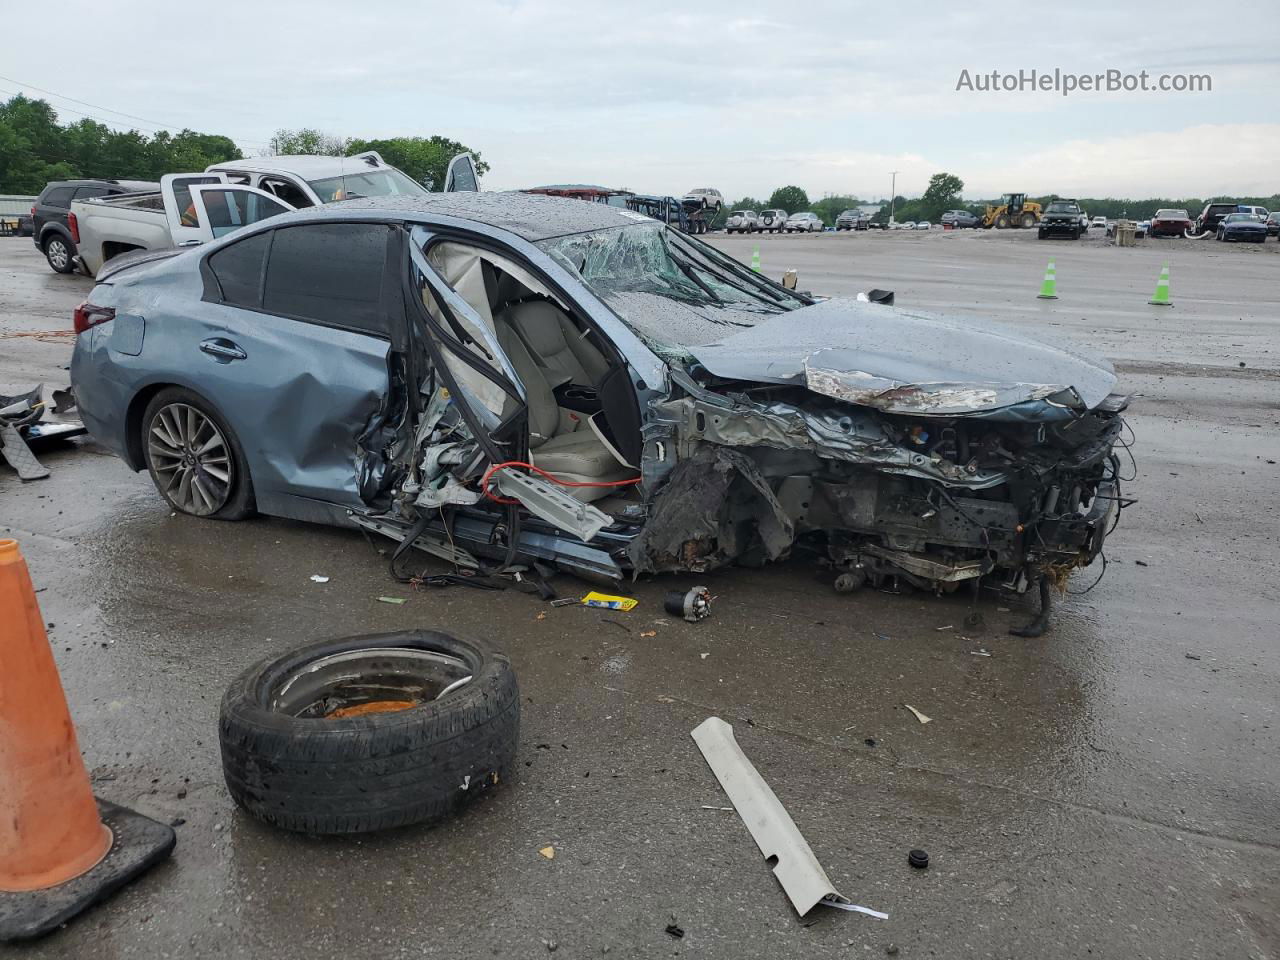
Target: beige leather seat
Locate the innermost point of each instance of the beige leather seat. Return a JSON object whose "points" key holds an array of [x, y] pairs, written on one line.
{"points": [[560, 441], [555, 343]]}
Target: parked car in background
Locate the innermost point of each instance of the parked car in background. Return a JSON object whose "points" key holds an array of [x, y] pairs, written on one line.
{"points": [[1247, 227], [1170, 223], [742, 221], [393, 364], [1212, 215], [852, 220], [50, 230], [1061, 219], [1261, 212], [1273, 224], [1084, 222], [960, 219], [923, 225], [905, 225], [708, 197], [804, 222], [1099, 222], [772, 221]]}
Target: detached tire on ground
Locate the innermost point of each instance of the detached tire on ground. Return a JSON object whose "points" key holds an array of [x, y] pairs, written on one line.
{"points": [[369, 732]]}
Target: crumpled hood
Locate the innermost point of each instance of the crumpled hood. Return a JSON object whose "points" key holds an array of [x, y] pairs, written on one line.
{"points": [[911, 362]]}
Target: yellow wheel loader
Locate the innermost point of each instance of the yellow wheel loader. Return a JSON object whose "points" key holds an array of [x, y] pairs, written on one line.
{"points": [[1014, 210]]}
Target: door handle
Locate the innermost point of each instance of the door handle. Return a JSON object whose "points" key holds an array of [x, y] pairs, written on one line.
{"points": [[222, 349]]}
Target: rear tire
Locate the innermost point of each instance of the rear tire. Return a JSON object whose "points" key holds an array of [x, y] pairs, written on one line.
{"points": [[59, 252], [194, 458], [1028, 220], [302, 750]]}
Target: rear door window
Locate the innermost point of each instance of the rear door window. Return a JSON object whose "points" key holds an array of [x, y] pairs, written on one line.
{"points": [[238, 270], [58, 197], [226, 209], [83, 193], [330, 273]]}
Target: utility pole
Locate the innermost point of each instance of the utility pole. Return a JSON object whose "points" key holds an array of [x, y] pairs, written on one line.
{"points": [[893, 192]]}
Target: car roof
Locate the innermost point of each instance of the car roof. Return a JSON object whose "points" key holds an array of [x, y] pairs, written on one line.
{"points": [[93, 182], [306, 166], [529, 216]]}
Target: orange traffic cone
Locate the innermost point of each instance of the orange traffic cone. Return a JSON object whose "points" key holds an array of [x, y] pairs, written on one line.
{"points": [[60, 851]]}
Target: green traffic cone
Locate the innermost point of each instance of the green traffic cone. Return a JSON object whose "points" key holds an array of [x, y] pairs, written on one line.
{"points": [[1161, 296], [1049, 289], [755, 259]]}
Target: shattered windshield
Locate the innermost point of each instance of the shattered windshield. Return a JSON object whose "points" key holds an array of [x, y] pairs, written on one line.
{"points": [[673, 291]]}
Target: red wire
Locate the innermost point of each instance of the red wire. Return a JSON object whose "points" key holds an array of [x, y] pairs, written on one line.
{"points": [[484, 482]]}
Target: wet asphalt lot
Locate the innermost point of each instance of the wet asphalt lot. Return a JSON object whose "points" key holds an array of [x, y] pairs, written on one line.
{"points": [[1109, 790]]}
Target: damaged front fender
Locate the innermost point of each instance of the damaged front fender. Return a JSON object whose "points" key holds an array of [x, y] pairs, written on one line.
{"points": [[715, 508]]}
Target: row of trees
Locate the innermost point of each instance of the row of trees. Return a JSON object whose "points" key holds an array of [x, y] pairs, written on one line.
{"points": [[35, 148]]}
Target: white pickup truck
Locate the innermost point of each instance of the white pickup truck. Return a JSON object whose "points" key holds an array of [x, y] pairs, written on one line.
{"points": [[193, 208], [190, 208]]}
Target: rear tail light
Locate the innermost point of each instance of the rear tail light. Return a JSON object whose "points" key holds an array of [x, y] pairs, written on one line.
{"points": [[87, 315], [33, 211], [74, 227]]}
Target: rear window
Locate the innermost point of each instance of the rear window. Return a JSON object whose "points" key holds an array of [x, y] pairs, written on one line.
{"points": [[57, 196], [329, 273]]}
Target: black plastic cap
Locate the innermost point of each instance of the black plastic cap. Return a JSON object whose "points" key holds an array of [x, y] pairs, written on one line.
{"points": [[918, 859]]}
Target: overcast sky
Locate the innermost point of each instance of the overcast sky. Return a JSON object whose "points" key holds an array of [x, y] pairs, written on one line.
{"points": [[740, 96]]}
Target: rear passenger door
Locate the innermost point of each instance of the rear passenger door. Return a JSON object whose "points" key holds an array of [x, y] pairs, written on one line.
{"points": [[222, 209], [185, 225], [294, 347]]}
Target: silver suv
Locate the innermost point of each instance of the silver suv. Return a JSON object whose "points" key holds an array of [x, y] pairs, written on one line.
{"points": [[772, 221], [708, 197], [742, 221]]}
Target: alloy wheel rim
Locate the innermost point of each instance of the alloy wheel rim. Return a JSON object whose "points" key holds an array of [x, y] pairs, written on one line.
{"points": [[58, 254], [191, 459]]}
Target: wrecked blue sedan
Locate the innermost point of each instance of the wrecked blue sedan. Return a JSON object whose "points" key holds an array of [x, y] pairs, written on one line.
{"points": [[504, 380]]}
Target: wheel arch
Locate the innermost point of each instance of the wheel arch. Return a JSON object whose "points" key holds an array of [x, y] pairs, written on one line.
{"points": [[138, 406], [50, 230]]}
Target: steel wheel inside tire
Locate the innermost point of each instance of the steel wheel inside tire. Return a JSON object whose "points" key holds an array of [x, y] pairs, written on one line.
{"points": [[369, 732]]}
